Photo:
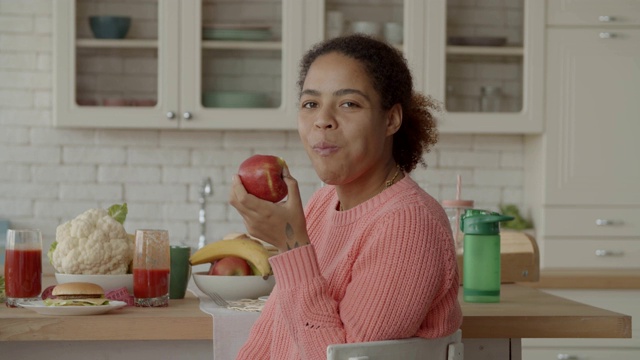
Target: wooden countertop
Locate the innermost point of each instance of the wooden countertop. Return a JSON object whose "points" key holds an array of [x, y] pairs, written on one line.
{"points": [[523, 312], [182, 320], [587, 279]]}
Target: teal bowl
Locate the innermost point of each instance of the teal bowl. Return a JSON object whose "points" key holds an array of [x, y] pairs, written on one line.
{"points": [[109, 27], [234, 99]]}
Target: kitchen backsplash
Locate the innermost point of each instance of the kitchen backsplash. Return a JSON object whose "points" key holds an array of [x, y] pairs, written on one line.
{"points": [[50, 175]]}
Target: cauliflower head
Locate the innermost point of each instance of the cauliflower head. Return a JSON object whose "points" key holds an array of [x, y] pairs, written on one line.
{"points": [[92, 243]]}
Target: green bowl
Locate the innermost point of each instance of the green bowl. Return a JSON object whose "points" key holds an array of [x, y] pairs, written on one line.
{"points": [[234, 99], [109, 27]]}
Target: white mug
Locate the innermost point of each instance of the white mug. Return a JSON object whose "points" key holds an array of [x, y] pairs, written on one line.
{"points": [[393, 33], [366, 27]]}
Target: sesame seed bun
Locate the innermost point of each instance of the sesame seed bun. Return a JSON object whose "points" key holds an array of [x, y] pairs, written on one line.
{"points": [[78, 290]]}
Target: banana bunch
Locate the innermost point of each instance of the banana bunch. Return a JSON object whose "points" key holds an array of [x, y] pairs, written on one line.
{"points": [[239, 245]]}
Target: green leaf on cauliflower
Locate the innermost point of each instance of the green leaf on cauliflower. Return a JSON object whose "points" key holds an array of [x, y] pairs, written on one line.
{"points": [[118, 212], [52, 248]]}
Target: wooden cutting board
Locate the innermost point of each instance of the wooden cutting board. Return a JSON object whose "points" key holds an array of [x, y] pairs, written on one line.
{"points": [[519, 258]]}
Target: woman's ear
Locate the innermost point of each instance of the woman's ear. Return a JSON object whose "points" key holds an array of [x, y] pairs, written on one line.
{"points": [[394, 119]]}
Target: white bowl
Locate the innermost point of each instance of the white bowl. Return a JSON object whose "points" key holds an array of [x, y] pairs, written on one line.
{"points": [[108, 282], [234, 287]]}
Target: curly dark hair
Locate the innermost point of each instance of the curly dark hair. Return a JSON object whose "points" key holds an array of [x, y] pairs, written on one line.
{"points": [[391, 78]]}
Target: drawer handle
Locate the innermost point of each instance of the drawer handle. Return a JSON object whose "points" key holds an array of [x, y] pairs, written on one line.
{"points": [[603, 252], [606, 222], [567, 357], [607, 35], [606, 18]]}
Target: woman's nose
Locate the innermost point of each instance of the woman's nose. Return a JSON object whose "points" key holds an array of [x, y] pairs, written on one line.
{"points": [[325, 120]]}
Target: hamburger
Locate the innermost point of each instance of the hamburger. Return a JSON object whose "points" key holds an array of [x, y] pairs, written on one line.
{"points": [[77, 294]]}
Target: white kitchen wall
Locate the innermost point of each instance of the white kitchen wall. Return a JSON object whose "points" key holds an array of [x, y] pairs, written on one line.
{"points": [[49, 175]]}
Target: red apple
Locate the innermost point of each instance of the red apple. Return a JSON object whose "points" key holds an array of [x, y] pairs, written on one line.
{"points": [[261, 176], [231, 266]]}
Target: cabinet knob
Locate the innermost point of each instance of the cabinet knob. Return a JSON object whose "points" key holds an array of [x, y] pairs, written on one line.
{"points": [[171, 115], [606, 18], [567, 357], [187, 115], [607, 35], [607, 222], [605, 253]]}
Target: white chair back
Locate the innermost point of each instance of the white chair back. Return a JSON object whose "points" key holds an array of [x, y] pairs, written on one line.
{"points": [[444, 348]]}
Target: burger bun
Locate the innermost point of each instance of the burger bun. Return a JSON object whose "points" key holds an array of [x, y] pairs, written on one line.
{"points": [[78, 290]]}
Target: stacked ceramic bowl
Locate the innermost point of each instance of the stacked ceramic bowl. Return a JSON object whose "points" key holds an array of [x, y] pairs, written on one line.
{"points": [[234, 99], [109, 27]]}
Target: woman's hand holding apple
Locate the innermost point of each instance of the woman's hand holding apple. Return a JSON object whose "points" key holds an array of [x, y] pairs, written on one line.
{"points": [[280, 224]]}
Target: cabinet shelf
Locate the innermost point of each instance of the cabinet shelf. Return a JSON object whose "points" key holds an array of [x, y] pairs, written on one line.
{"points": [[119, 43], [242, 45], [486, 50]]}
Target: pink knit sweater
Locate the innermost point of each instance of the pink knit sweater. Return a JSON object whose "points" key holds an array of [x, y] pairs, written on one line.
{"points": [[385, 269]]}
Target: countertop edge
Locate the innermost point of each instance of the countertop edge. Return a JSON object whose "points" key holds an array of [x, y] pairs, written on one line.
{"points": [[586, 278]]}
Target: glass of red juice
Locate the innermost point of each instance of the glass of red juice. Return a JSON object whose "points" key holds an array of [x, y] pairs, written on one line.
{"points": [[151, 268], [23, 266]]}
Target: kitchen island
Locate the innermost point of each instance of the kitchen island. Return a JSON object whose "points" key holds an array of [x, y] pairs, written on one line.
{"points": [[491, 331]]}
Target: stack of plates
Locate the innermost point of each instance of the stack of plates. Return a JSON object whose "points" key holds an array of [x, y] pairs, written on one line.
{"points": [[477, 40], [234, 99], [236, 32]]}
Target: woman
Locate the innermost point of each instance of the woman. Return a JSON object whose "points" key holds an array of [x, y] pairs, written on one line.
{"points": [[371, 257]]}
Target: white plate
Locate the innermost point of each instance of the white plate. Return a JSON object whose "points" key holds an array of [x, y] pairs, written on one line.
{"points": [[230, 26], [41, 308]]}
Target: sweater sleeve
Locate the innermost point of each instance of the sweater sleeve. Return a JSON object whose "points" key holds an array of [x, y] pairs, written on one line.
{"points": [[398, 272], [258, 344]]}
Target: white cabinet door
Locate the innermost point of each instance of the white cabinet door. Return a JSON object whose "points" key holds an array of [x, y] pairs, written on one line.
{"points": [[156, 76], [116, 83], [455, 62], [593, 102], [250, 81], [593, 12]]}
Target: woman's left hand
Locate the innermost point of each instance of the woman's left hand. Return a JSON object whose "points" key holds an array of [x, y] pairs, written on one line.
{"points": [[280, 224]]}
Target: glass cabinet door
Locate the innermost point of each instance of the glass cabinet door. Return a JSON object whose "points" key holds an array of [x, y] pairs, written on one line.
{"points": [[484, 56], [113, 68], [238, 62], [382, 20], [484, 60]]}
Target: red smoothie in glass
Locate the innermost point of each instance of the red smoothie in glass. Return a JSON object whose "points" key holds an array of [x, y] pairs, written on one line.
{"points": [[150, 283], [23, 273]]}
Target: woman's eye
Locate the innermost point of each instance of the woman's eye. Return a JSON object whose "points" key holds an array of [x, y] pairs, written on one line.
{"points": [[349, 104], [309, 105]]}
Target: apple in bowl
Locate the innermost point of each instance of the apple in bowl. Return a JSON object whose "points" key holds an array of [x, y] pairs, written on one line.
{"points": [[231, 266]]}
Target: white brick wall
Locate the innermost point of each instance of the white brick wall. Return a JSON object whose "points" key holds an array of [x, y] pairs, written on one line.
{"points": [[51, 175]]}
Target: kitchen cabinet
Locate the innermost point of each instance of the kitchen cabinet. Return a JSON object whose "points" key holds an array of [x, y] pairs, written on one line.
{"points": [[456, 73], [593, 12], [624, 301], [157, 76], [582, 174], [165, 65]]}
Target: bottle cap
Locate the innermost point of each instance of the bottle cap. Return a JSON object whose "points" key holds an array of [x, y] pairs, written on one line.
{"points": [[482, 222]]}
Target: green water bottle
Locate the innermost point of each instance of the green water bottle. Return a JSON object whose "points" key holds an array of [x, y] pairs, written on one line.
{"points": [[481, 255]]}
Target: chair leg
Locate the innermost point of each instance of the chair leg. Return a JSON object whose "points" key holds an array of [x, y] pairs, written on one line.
{"points": [[455, 351]]}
